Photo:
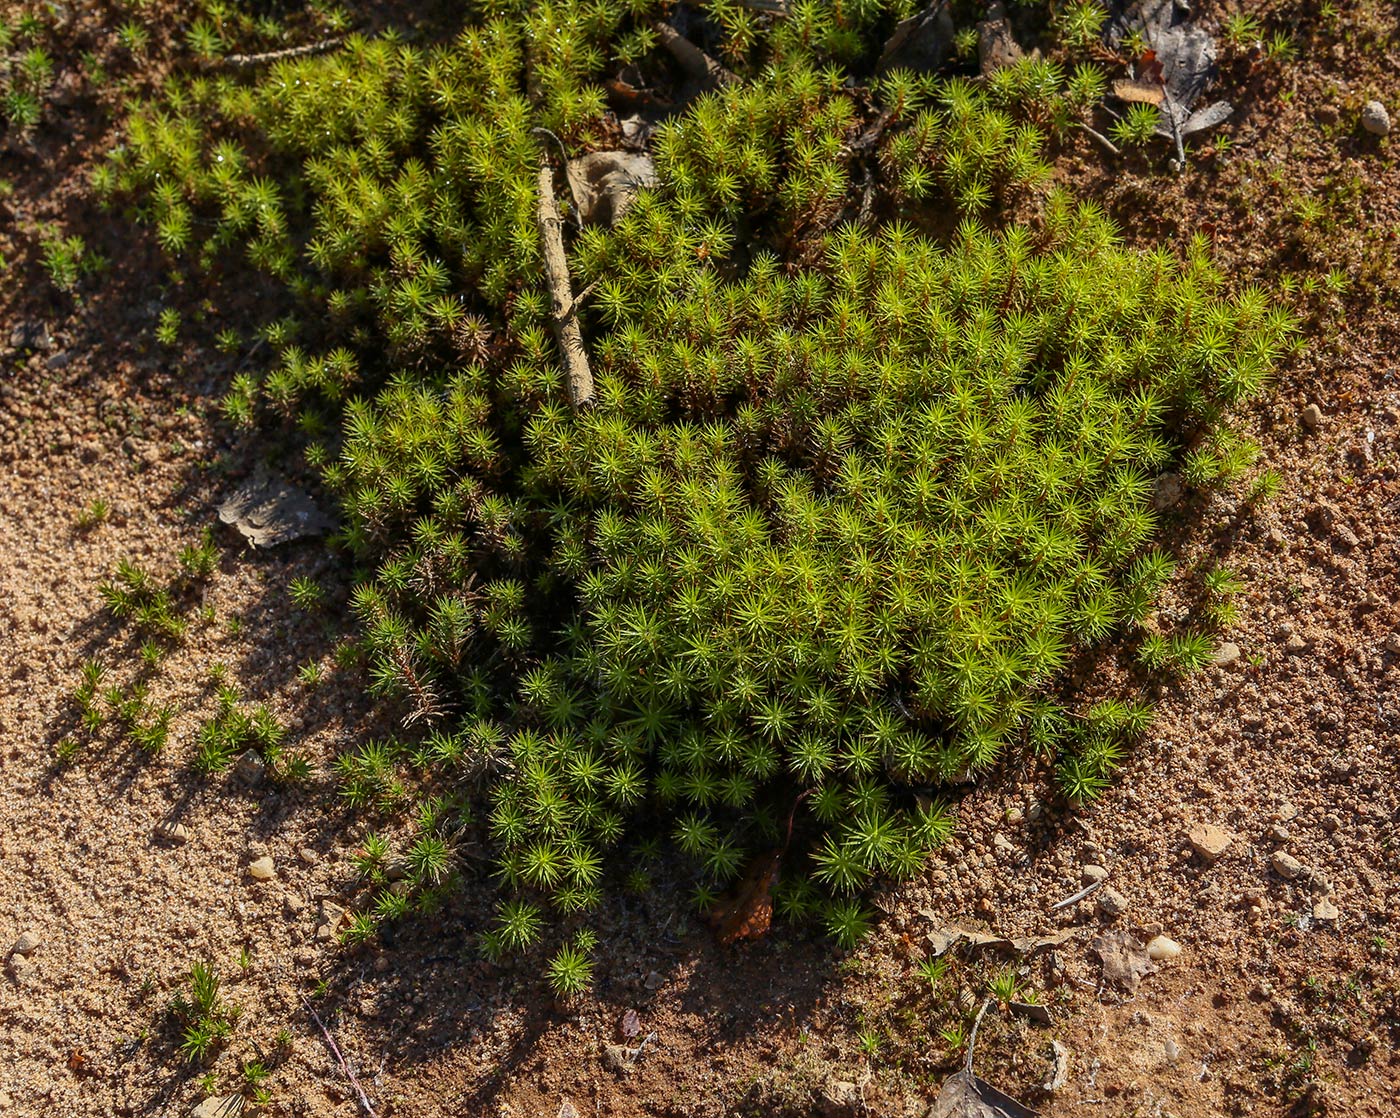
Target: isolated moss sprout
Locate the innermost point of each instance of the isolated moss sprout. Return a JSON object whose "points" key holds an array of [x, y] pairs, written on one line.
{"points": [[849, 500]]}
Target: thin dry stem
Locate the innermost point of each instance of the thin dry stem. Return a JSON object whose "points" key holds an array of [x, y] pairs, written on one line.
{"points": [[578, 375]]}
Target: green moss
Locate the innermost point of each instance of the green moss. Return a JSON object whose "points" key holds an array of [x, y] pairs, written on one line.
{"points": [[850, 497]]}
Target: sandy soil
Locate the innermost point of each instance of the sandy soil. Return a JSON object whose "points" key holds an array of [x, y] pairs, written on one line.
{"points": [[1284, 996]]}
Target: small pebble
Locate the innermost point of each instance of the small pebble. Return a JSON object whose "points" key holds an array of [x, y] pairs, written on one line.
{"points": [[1112, 903], [1226, 654], [1278, 832], [654, 981], [1014, 815], [1285, 865], [1092, 873], [1375, 119], [1392, 643], [21, 969], [1286, 812], [249, 770], [261, 869], [175, 833], [1331, 823], [1208, 841], [1325, 910], [1295, 644], [27, 943], [1311, 417], [309, 856], [1163, 949]]}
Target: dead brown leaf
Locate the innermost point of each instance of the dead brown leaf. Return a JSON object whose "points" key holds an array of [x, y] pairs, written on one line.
{"points": [[747, 913], [1124, 959], [1141, 92]]}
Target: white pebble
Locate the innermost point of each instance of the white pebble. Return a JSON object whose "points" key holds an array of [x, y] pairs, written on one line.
{"points": [[261, 869], [1162, 949]]}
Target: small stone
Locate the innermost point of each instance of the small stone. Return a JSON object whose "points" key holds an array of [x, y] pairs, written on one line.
{"points": [[309, 856], [1330, 823], [1112, 903], [1286, 812], [1014, 815], [1392, 643], [177, 834], [1295, 645], [1375, 119], [1226, 654], [249, 770], [1208, 841], [1167, 491], [294, 904], [840, 1099], [1285, 865], [654, 981], [616, 1058], [31, 335], [261, 869], [1325, 910], [1311, 417], [567, 1109], [1162, 949], [21, 970], [1278, 832], [1092, 873], [27, 943], [1002, 843], [1034, 810], [219, 1106]]}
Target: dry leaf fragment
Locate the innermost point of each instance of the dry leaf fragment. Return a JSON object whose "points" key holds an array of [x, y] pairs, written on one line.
{"points": [[604, 183], [943, 939], [1215, 113], [631, 1025], [1124, 959], [269, 510], [1033, 1012], [1140, 92], [965, 1096], [919, 43], [747, 913], [1059, 1071]]}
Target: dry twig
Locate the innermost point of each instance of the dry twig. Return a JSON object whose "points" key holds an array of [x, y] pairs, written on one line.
{"points": [[692, 59], [1108, 144], [335, 1050], [1088, 890], [578, 375], [244, 61]]}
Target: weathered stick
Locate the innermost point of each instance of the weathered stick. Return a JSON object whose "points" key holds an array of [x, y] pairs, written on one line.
{"points": [[1108, 144], [578, 376], [243, 61], [692, 59], [1088, 890], [350, 1075]]}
